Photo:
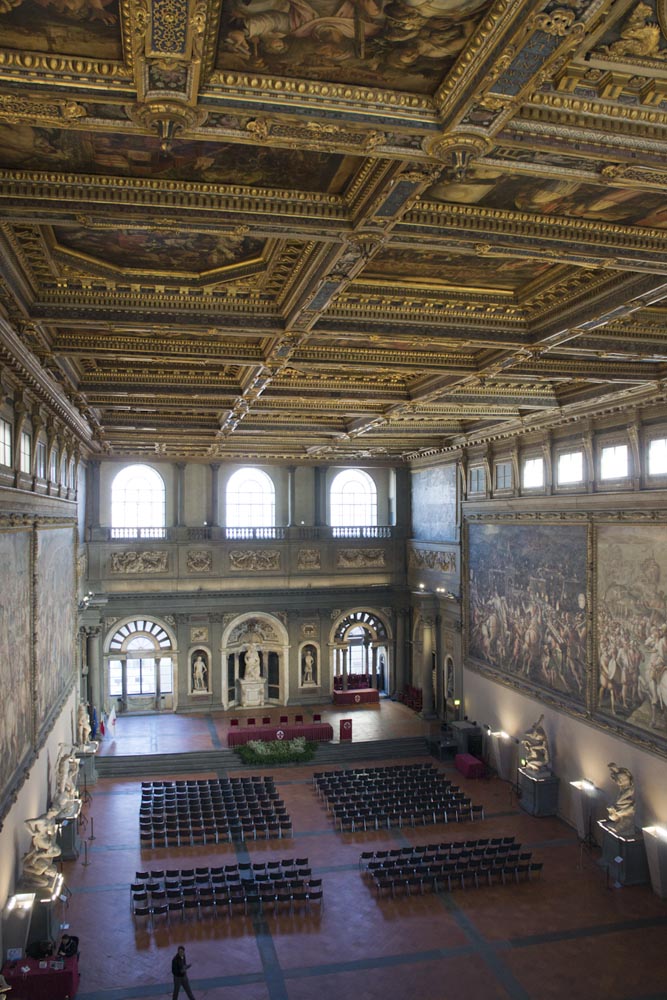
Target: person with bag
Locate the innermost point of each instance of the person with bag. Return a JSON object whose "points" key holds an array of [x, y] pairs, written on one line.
{"points": [[179, 970]]}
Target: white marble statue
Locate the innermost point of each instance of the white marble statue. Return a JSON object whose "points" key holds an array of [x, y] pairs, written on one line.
{"points": [[621, 815], [38, 861], [536, 749], [66, 801], [83, 726], [252, 668]]}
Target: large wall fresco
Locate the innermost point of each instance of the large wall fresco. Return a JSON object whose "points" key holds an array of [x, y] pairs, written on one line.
{"points": [[55, 644], [15, 646], [434, 504], [527, 600], [632, 626]]}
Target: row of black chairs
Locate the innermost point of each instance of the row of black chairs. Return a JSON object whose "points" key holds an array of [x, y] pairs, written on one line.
{"points": [[442, 850], [421, 876], [173, 832]]}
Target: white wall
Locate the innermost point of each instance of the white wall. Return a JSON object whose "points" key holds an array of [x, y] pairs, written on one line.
{"points": [[578, 749]]}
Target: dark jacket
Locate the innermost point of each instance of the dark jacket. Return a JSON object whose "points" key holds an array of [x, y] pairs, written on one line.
{"points": [[179, 966]]}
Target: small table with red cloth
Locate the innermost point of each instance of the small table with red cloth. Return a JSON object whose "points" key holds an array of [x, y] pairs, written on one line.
{"points": [[318, 732], [48, 983], [360, 696], [469, 766]]}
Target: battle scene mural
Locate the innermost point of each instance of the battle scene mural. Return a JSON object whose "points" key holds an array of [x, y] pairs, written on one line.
{"points": [[15, 646], [527, 603], [406, 45], [632, 625], [55, 604]]}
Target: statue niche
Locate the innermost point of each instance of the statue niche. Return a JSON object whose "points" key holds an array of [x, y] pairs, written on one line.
{"points": [[252, 684]]}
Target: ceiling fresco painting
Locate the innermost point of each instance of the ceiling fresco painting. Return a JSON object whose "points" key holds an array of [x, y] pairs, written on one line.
{"points": [[340, 229], [73, 27], [136, 156], [156, 250], [454, 269], [400, 44], [493, 188]]}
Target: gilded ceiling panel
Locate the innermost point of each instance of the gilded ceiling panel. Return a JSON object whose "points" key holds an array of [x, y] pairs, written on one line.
{"points": [[35, 148], [87, 28], [455, 269], [406, 45], [491, 187], [155, 250]]}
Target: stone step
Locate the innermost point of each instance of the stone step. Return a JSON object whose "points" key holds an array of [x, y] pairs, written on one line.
{"points": [[221, 761]]}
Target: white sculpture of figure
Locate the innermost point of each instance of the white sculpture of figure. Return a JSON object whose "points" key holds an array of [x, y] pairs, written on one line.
{"points": [[38, 862], [622, 813], [83, 724], [252, 670], [536, 749], [199, 674], [66, 801], [308, 667]]}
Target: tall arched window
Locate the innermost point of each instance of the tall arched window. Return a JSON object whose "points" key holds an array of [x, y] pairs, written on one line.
{"points": [[250, 504], [352, 501], [138, 503]]}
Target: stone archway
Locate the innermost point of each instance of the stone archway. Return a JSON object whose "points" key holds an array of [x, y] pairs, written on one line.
{"points": [[254, 655], [361, 636]]}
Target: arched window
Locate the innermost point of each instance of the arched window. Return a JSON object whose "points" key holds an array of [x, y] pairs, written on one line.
{"points": [[250, 504], [352, 501], [138, 503], [140, 661]]}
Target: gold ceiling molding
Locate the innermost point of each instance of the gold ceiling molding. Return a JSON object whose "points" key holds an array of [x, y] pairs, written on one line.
{"points": [[333, 94], [457, 150], [607, 115], [316, 135], [167, 118], [56, 68], [16, 109]]}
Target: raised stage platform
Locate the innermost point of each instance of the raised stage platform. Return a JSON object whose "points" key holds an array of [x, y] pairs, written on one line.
{"points": [[360, 696]]}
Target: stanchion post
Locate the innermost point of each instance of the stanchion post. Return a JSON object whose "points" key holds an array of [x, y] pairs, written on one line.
{"points": [[85, 862], [92, 828]]}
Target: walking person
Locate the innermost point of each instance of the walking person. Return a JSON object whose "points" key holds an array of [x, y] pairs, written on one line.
{"points": [[179, 970]]}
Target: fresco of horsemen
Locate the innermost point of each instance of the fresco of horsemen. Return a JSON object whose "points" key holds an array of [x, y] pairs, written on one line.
{"points": [[632, 625], [528, 605]]}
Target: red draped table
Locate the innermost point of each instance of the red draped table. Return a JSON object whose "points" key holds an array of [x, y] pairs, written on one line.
{"points": [[318, 732], [360, 696], [469, 766], [42, 984]]}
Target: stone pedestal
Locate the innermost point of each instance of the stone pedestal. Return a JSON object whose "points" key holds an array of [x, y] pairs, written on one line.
{"points": [[252, 693], [87, 769], [631, 868], [69, 841], [538, 794], [655, 842]]}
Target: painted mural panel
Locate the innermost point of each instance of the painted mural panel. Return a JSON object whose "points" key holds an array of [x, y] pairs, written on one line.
{"points": [[456, 269], [406, 45], [155, 250], [55, 604], [25, 147], [15, 645], [527, 603], [434, 504], [632, 625], [68, 27], [493, 187]]}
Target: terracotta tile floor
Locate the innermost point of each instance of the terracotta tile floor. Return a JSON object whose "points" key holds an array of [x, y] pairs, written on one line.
{"points": [[567, 935]]}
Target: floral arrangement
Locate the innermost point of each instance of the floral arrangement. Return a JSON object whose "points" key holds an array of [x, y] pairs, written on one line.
{"points": [[294, 751]]}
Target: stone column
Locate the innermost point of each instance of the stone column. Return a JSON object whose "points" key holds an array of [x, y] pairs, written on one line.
{"points": [[179, 505], [96, 694], [427, 668], [215, 469], [319, 484], [374, 678], [291, 495], [344, 666], [92, 494]]}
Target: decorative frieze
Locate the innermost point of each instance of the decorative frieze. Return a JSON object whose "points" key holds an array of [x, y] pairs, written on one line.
{"points": [[132, 562]]}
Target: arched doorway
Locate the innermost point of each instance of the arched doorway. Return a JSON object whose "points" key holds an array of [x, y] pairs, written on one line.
{"points": [[139, 664], [247, 636], [360, 644]]}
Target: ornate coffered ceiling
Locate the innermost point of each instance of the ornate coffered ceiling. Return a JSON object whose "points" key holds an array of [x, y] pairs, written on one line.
{"points": [[310, 230]]}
